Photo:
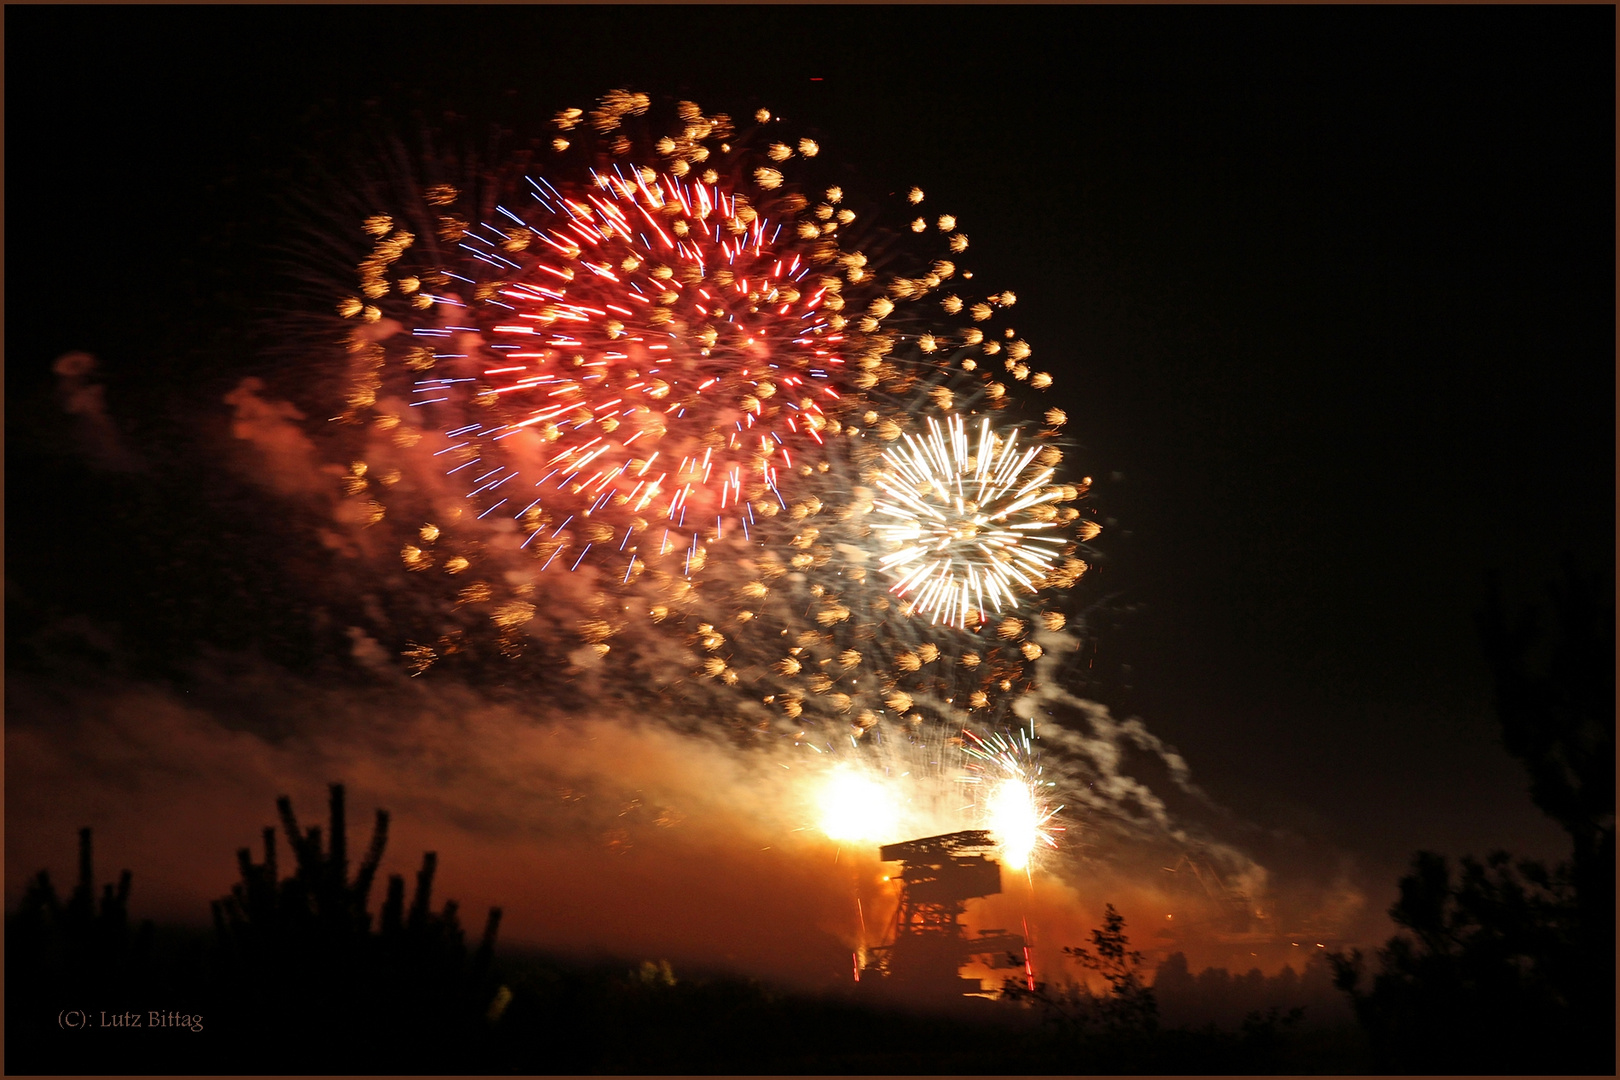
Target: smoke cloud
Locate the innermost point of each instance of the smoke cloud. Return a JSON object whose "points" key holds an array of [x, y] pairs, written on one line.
{"points": [[599, 835], [84, 398], [282, 458]]}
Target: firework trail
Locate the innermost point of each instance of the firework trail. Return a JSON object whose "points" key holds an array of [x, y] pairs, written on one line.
{"points": [[650, 416]]}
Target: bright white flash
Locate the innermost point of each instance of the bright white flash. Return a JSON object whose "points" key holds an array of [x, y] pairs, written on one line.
{"points": [[1015, 821], [858, 809], [961, 522]]}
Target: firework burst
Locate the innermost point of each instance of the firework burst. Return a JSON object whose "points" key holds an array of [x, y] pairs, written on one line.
{"points": [[935, 782], [859, 807], [656, 395], [645, 300], [1014, 801], [967, 521]]}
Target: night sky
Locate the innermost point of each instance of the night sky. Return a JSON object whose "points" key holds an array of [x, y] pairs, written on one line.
{"points": [[1328, 294]]}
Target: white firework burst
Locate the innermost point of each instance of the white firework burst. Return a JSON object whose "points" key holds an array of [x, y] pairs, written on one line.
{"points": [[965, 527]]}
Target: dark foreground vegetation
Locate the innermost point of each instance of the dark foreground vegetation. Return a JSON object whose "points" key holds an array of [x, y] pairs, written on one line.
{"points": [[1505, 967], [299, 975], [1508, 965]]}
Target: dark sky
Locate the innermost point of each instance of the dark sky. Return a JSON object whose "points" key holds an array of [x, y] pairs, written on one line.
{"points": [[1328, 291]]}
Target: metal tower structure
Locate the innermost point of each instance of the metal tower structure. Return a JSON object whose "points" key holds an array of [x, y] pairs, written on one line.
{"points": [[939, 875]]}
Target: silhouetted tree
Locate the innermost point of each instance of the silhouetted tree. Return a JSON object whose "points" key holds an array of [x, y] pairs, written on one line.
{"points": [[1555, 701], [1480, 980], [1071, 1009], [1557, 714], [1509, 967], [80, 942], [1129, 1005], [299, 952], [1120, 1031]]}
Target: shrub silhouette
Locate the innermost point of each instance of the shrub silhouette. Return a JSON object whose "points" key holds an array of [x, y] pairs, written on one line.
{"points": [[1128, 1010], [1130, 1005], [298, 977], [80, 954]]}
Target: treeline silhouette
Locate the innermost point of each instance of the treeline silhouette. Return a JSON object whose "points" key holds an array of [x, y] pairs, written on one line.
{"points": [[1505, 967], [1216, 996], [1173, 1025], [295, 979]]}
